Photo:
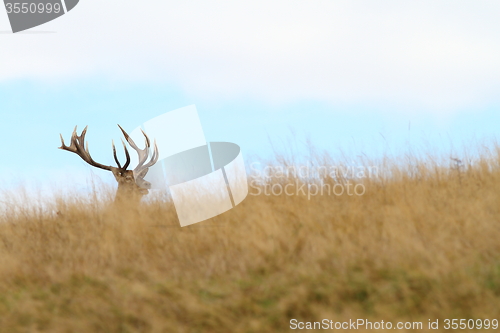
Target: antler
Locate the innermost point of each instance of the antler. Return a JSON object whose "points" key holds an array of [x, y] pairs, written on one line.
{"points": [[79, 147], [143, 153]]}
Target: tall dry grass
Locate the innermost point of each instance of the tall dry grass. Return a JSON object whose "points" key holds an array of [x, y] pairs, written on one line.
{"points": [[421, 243]]}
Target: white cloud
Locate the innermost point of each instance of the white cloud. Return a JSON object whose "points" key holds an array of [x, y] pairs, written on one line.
{"points": [[438, 55]]}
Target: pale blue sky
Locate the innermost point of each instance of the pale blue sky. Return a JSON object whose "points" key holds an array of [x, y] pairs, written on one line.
{"points": [[350, 75]]}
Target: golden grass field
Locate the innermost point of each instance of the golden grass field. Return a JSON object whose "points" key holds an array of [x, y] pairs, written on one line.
{"points": [[422, 243]]}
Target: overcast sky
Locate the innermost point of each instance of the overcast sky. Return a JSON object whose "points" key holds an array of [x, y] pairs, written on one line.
{"points": [[350, 74]]}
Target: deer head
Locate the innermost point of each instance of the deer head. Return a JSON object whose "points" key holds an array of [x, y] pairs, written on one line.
{"points": [[131, 183]]}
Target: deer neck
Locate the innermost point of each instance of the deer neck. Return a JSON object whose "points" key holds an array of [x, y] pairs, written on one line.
{"points": [[127, 194]]}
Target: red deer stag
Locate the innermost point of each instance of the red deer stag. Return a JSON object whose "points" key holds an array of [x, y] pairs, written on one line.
{"points": [[131, 183]]}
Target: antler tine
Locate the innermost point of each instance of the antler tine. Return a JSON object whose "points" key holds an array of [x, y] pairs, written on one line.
{"points": [[142, 169], [71, 147], [82, 135], [143, 153], [62, 142], [114, 155], [127, 155], [78, 147], [127, 163], [128, 138], [154, 157], [145, 156], [148, 144]]}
